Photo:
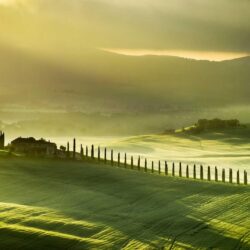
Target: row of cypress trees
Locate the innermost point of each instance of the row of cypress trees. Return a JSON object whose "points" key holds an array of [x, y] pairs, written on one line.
{"points": [[146, 165]]}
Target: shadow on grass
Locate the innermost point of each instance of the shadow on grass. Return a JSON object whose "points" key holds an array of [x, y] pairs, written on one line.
{"points": [[133, 209]]}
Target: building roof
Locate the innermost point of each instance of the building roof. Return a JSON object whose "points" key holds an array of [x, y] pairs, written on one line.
{"points": [[32, 140]]}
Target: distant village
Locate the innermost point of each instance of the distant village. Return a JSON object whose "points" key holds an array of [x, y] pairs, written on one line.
{"points": [[30, 146]]}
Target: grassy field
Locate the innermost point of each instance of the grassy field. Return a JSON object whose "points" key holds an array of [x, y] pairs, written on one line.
{"points": [[49, 204]]}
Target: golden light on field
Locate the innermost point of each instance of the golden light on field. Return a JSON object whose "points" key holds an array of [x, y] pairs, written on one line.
{"points": [[196, 55]]}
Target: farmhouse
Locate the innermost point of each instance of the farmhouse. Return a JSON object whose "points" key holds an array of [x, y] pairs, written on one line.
{"points": [[31, 146]]}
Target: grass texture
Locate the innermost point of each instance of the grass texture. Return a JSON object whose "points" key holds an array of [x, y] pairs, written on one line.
{"points": [[52, 204]]}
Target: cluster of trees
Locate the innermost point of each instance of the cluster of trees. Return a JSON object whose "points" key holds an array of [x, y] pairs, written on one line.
{"points": [[217, 123], [214, 124], [208, 125]]}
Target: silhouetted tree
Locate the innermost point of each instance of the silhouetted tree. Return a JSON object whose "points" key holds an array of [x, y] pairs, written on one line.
{"points": [[99, 153], [180, 169], [139, 163], [132, 162], [245, 178], [216, 174], [152, 167], [223, 175], [230, 175], [159, 167], [146, 165], [119, 158], [82, 152], [194, 172], [173, 169], [105, 155], [238, 177], [74, 148], [87, 151], [92, 152], [201, 173], [187, 171], [125, 160], [166, 168], [209, 173], [68, 153], [112, 157]]}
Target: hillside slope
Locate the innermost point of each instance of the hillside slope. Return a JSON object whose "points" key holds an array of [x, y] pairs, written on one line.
{"points": [[66, 205]]}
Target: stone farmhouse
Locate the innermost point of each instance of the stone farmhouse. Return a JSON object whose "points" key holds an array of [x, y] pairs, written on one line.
{"points": [[31, 146]]}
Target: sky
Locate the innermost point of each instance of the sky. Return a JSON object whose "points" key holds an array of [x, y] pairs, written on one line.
{"points": [[214, 26], [113, 55]]}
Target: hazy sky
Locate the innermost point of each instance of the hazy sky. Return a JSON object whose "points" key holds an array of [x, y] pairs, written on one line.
{"points": [[209, 25], [50, 50]]}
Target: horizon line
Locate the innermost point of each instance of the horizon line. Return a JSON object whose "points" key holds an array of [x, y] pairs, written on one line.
{"points": [[212, 56]]}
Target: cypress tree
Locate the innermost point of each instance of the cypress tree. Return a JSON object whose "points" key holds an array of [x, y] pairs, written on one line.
{"points": [[223, 175], [112, 157], [180, 170], [245, 178], [159, 167], [230, 175], [146, 165], [87, 151], [82, 153], [201, 173], [209, 173], [99, 153], [92, 152], [238, 177], [74, 148], [166, 168], [68, 153], [105, 155], [132, 162], [194, 173], [187, 172], [125, 160], [173, 170], [216, 174], [152, 167], [119, 156], [139, 163]]}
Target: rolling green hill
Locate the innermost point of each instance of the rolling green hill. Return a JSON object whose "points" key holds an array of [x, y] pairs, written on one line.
{"points": [[75, 205]]}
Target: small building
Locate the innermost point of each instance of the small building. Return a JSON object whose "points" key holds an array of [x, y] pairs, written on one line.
{"points": [[31, 146], [2, 140]]}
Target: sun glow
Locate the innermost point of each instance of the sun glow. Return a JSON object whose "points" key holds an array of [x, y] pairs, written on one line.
{"points": [[14, 2], [7, 2], [217, 56]]}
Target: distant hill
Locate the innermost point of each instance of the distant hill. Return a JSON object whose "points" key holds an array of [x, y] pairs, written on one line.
{"points": [[109, 82], [214, 128]]}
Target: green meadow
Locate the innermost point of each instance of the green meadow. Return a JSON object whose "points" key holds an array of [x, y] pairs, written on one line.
{"points": [[60, 204]]}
